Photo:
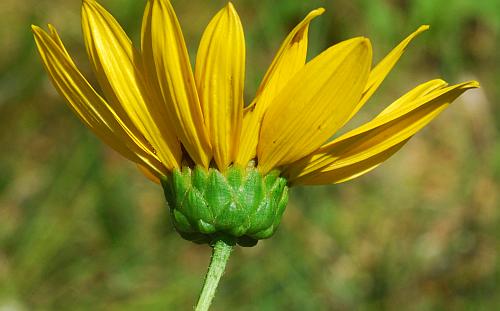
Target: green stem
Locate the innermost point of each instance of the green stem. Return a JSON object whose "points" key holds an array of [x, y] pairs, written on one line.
{"points": [[220, 255]]}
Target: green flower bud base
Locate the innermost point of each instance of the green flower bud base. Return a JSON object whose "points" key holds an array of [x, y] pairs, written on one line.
{"points": [[238, 206]]}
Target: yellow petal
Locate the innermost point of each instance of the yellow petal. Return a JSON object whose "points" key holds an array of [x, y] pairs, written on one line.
{"points": [[166, 60], [314, 104], [376, 140], [220, 78], [118, 69], [321, 158], [290, 58], [94, 111], [378, 74], [348, 172]]}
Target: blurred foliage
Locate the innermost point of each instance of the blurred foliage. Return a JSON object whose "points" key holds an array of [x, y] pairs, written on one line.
{"points": [[81, 229]]}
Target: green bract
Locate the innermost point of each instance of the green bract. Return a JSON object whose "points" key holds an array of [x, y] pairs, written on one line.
{"points": [[240, 205]]}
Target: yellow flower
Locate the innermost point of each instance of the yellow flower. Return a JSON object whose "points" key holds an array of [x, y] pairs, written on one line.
{"points": [[156, 112], [225, 169]]}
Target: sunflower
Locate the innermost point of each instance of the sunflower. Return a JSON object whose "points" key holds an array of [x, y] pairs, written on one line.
{"points": [[183, 127], [226, 167]]}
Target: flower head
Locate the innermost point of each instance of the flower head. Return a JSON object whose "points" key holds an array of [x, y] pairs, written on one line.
{"points": [[157, 112]]}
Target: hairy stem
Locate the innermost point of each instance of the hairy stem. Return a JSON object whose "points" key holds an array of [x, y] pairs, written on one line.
{"points": [[220, 255]]}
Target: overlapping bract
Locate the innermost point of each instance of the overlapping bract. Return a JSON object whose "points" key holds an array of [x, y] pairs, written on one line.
{"points": [[156, 112]]}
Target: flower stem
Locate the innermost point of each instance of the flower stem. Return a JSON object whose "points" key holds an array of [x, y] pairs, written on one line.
{"points": [[220, 255]]}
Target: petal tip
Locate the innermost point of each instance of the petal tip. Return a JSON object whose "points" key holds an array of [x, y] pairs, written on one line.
{"points": [[37, 31], [365, 42], [361, 41], [231, 10], [230, 6], [474, 84], [315, 13], [423, 28], [52, 29], [318, 11], [35, 28]]}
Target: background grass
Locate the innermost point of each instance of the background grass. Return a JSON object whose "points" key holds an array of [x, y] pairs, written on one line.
{"points": [[81, 229]]}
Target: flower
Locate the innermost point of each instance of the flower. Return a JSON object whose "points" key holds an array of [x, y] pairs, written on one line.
{"points": [[153, 104], [156, 112]]}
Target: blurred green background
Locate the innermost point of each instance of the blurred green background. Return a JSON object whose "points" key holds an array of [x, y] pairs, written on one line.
{"points": [[81, 229]]}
